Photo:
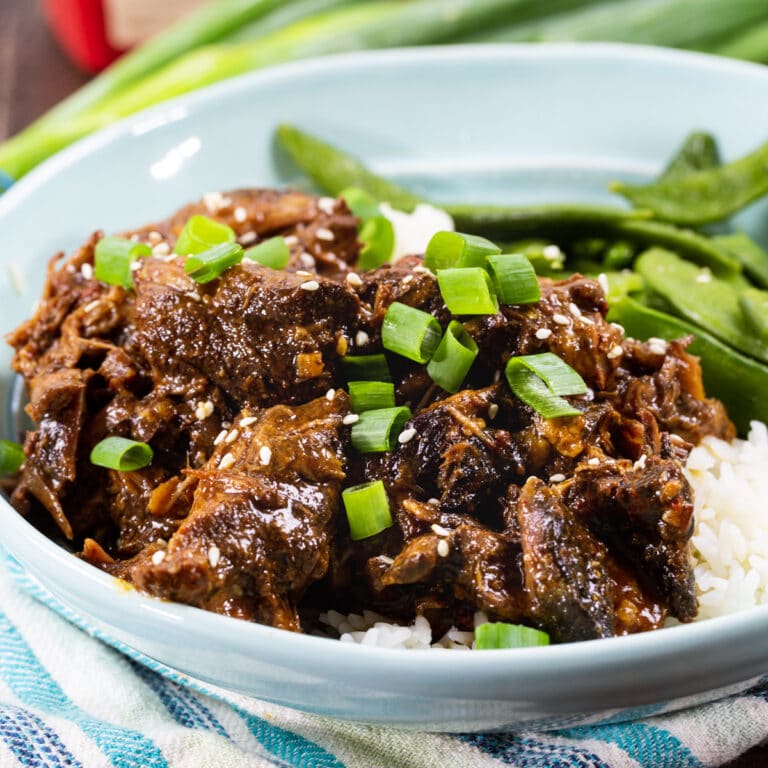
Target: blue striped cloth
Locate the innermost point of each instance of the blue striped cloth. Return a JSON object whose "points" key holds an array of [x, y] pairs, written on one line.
{"points": [[71, 697]]}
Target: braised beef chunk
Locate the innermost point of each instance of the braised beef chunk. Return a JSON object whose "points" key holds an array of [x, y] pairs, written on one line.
{"points": [[579, 525], [271, 486]]}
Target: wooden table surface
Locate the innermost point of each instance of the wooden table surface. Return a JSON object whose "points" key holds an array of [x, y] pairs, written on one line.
{"points": [[35, 74]]}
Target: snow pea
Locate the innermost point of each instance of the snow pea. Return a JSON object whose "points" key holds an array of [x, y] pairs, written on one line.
{"points": [[754, 306], [739, 381], [698, 152], [700, 297], [748, 253], [704, 197]]}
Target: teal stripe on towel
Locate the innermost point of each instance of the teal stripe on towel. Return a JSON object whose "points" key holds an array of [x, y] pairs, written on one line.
{"points": [[31, 682]]}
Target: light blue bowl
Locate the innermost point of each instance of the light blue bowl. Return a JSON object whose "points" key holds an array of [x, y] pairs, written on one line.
{"points": [[516, 124]]}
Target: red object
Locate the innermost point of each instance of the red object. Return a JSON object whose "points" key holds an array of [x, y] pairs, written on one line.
{"points": [[80, 27]]}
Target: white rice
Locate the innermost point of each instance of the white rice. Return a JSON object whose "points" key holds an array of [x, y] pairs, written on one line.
{"points": [[730, 546], [414, 230], [730, 539]]}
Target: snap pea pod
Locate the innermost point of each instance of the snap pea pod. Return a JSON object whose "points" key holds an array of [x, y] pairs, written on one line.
{"points": [[748, 253], [739, 381], [750, 44], [706, 196], [334, 170], [699, 152], [698, 296], [754, 306]]}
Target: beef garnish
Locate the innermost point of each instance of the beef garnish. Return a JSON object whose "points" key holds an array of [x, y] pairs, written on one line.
{"points": [[574, 521]]}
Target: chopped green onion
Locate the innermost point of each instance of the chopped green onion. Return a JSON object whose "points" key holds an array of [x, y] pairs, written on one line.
{"points": [[451, 362], [371, 395], [208, 265], [121, 454], [514, 278], [467, 291], [114, 257], [378, 238], [11, 457], [377, 431], [497, 635], [360, 203], [201, 233], [538, 380], [273, 253], [367, 509], [410, 332], [455, 249], [366, 368]]}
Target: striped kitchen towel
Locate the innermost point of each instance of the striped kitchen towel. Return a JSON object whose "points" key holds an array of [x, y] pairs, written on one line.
{"points": [[68, 699]]}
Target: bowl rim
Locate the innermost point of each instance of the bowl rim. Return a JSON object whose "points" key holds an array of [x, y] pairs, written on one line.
{"points": [[369, 663]]}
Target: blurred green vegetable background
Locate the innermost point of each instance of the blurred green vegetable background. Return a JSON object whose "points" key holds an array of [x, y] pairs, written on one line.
{"points": [[229, 37]]}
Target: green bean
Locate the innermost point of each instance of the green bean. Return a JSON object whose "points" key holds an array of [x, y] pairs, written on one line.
{"points": [[705, 196], [748, 253], [660, 22], [696, 295], [699, 152], [739, 381]]}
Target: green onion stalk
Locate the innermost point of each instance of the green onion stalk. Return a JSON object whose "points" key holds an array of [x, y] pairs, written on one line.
{"points": [[192, 55]]}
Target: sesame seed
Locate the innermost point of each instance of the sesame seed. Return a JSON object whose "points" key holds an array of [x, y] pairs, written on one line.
{"points": [[248, 420], [134, 238], [493, 410], [439, 530], [407, 279], [602, 278], [593, 462], [326, 204], [587, 320], [240, 214], [213, 555], [557, 478], [552, 252], [248, 238], [619, 328], [227, 460], [215, 201], [204, 410], [323, 233], [496, 376], [386, 560], [307, 260], [220, 437], [161, 249], [194, 295], [265, 455], [354, 279], [433, 500], [640, 463], [303, 273], [543, 333], [154, 237], [291, 240], [91, 305], [406, 435], [560, 319], [310, 285], [232, 436], [420, 269], [705, 276], [330, 394], [443, 548], [574, 310], [350, 418], [86, 270], [362, 338], [615, 352], [657, 346], [158, 557], [135, 266]]}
